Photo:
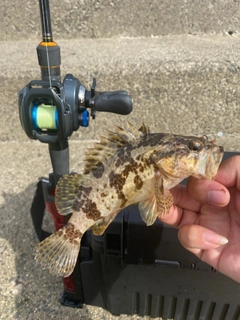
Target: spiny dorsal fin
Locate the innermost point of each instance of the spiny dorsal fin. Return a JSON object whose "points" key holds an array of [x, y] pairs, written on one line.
{"points": [[98, 154], [144, 130], [109, 145], [66, 191], [68, 186], [137, 133]]}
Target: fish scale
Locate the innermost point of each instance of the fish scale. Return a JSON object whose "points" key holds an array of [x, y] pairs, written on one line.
{"points": [[125, 167]]}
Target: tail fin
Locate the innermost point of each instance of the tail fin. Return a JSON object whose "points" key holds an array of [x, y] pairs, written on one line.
{"points": [[59, 252]]}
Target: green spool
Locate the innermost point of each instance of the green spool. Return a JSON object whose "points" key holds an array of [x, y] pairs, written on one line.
{"points": [[45, 117]]}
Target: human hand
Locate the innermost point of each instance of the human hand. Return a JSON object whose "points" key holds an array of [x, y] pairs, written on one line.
{"points": [[207, 214]]}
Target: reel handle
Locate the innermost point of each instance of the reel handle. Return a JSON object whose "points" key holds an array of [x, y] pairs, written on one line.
{"points": [[118, 102]]}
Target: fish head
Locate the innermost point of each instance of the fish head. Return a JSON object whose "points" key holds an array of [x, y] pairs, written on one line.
{"points": [[178, 157]]}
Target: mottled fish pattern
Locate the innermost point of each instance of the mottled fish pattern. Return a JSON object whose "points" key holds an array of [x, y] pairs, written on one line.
{"points": [[125, 167]]}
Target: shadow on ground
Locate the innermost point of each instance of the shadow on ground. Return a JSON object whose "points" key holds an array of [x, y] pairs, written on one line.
{"points": [[27, 291]]}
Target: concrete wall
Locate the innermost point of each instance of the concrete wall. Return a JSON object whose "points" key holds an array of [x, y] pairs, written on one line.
{"points": [[73, 19]]}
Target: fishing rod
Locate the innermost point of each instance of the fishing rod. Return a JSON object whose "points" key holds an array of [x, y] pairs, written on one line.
{"points": [[50, 111]]}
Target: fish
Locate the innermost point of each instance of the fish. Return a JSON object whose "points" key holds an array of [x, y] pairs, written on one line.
{"points": [[127, 166]]}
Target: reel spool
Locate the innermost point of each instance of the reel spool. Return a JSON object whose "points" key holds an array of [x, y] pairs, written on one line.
{"points": [[45, 117]]}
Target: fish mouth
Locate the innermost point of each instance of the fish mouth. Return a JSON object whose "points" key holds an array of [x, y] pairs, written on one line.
{"points": [[209, 162], [213, 161]]}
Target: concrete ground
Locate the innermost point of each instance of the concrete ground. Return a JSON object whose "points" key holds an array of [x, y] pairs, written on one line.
{"points": [[180, 63]]}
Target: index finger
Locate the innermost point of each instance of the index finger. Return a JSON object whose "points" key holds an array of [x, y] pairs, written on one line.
{"points": [[229, 172], [189, 199]]}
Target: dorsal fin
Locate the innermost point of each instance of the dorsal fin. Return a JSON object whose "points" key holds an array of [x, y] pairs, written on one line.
{"points": [[144, 130], [69, 185], [109, 145]]}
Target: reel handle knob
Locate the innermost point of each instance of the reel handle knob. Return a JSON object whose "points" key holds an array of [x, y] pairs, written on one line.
{"points": [[118, 102]]}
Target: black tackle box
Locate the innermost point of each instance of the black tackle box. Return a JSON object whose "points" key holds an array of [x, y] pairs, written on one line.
{"points": [[134, 269]]}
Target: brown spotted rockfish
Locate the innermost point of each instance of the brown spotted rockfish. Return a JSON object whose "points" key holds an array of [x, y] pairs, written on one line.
{"points": [[126, 167]]}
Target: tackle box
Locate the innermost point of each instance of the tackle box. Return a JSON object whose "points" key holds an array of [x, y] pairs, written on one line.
{"points": [[135, 269]]}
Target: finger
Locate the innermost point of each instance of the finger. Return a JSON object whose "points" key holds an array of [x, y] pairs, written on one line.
{"points": [[178, 217], [185, 208], [208, 192], [229, 172], [196, 238], [183, 199], [188, 200]]}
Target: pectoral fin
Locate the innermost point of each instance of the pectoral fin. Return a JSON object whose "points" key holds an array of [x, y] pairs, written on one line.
{"points": [[164, 203], [158, 204]]}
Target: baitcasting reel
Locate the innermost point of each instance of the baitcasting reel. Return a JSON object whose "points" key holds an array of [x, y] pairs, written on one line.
{"points": [[52, 114]]}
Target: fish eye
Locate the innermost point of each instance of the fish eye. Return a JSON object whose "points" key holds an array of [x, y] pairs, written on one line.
{"points": [[194, 145]]}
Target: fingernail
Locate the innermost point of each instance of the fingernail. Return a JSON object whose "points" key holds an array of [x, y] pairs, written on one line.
{"points": [[215, 238], [216, 197]]}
